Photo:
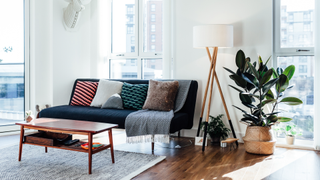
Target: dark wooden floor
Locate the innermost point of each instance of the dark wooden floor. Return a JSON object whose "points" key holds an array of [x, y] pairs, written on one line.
{"points": [[217, 163]]}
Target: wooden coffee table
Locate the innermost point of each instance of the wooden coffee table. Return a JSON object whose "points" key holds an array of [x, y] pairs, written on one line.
{"points": [[70, 127]]}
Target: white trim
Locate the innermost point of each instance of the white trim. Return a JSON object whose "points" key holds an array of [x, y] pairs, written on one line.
{"points": [[143, 168], [317, 77], [27, 54]]}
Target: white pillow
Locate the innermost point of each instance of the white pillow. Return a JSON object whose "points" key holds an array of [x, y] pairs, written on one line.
{"points": [[104, 91]]}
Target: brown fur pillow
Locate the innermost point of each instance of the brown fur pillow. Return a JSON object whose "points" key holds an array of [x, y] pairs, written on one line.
{"points": [[161, 95]]}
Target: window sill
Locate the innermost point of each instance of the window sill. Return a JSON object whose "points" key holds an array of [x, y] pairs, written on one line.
{"points": [[299, 144]]}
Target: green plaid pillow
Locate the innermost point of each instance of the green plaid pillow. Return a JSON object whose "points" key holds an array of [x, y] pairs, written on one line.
{"points": [[134, 95]]}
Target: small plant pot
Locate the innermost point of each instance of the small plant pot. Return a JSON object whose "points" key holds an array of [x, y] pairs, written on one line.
{"points": [[215, 140], [223, 144], [290, 140]]}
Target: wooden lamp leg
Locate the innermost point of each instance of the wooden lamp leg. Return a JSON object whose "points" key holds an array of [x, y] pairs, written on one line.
{"points": [[215, 52], [225, 107], [206, 91]]}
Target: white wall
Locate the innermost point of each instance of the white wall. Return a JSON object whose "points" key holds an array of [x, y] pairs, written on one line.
{"points": [[71, 53], [57, 56], [252, 21]]}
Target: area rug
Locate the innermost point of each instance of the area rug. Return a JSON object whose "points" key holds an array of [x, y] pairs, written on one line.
{"points": [[60, 164]]}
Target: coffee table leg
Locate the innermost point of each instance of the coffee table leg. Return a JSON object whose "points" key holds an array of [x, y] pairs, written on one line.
{"points": [[111, 145], [21, 141], [46, 149], [90, 151]]}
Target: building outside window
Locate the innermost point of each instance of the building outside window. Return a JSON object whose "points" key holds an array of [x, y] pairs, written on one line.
{"points": [[130, 30], [153, 27], [130, 56], [303, 68], [153, 48], [153, 17], [153, 38], [153, 7]]}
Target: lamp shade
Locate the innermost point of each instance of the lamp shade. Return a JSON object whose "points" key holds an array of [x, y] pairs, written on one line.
{"points": [[215, 35]]}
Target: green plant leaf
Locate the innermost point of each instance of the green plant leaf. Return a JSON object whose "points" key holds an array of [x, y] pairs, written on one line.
{"points": [[236, 88], [240, 109], [284, 119], [275, 74], [292, 101], [253, 81], [289, 71], [229, 70], [240, 60], [269, 95], [249, 94], [265, 67], [250, 105], [279, 71], [245, 98], [288, 127], [253, 70], [266, 102], [239, 81], [268, 85], [246, 67], [266, 77], [273, 118], [282, 84]]}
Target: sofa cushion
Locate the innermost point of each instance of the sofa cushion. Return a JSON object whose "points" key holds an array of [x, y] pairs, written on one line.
{"points": [[84, 93], [114, 116], [114, 102], [105, 90], [161, 95], [134, 95]]}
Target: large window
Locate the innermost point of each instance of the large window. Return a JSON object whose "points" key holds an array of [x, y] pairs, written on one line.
{"points": [[133, 44], [12, 62], [294, 45]]}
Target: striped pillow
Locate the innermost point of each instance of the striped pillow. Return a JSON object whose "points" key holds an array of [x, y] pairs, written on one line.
{"points": [[84, 93]]}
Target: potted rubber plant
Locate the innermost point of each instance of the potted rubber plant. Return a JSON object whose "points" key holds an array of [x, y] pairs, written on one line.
{"points": [[291, 132], [216, 129], [259, 87]]}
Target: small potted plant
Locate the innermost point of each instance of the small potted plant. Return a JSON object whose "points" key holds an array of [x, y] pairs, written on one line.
{"points": [[216, 129], [291, 132]]}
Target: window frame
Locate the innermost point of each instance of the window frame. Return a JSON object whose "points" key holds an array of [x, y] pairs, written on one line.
{"points": [[277, 50], [290, 52], [138, 32]]}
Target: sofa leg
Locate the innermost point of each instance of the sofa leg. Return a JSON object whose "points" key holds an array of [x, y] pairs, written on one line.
{"points": [[178, 133], [152, 144]]}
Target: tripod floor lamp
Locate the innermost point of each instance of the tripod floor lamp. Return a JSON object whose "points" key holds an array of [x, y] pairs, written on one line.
{"points": [[212, 36]]}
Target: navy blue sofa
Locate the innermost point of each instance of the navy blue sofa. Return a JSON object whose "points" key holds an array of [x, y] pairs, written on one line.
{"points": [[182, 119]]}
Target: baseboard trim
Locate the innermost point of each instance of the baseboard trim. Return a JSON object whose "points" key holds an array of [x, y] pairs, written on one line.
{"points": [[193, 132]]}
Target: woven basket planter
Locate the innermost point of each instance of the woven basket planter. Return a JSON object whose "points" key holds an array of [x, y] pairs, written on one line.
{"points": [[259, 140]]}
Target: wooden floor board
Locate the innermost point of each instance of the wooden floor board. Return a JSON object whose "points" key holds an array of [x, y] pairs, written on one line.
{"points": [[215, 163]]}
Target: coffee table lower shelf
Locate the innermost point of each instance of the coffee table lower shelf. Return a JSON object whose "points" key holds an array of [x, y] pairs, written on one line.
{"points": [[73, 147]]}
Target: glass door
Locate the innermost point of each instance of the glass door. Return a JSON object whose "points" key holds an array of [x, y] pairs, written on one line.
{"points": [[12, 61]]}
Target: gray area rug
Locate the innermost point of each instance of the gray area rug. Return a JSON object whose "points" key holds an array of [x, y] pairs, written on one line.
{"points": [[60, 164]]}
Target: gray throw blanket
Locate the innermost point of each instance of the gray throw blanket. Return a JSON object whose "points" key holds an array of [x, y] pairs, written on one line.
{"points": [[154, 126]]}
